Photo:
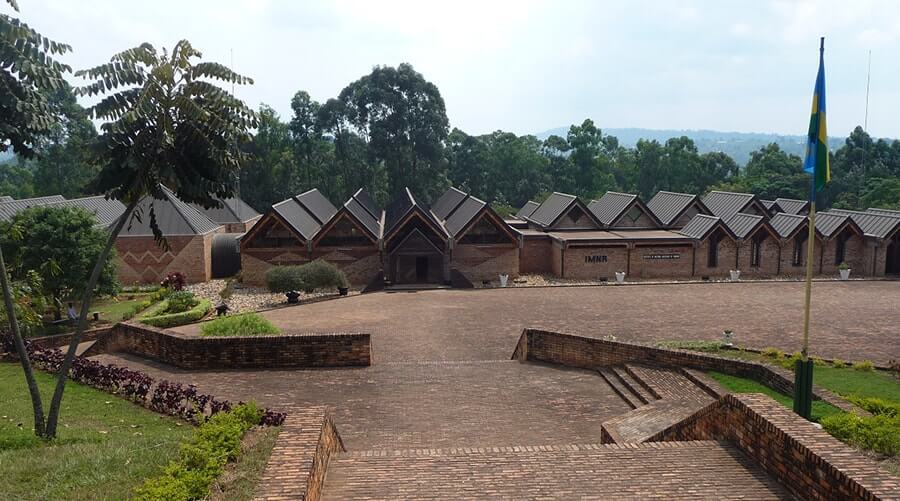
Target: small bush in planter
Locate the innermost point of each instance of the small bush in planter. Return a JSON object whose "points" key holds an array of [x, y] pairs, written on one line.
{"points": [[321, 274], [844, 266], [772, 353], [865, 366], [285, 279], [180, 301], [837, 363]]}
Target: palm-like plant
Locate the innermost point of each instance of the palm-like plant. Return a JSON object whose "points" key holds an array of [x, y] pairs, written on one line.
{"points": [[167, 124], [28, 72]]}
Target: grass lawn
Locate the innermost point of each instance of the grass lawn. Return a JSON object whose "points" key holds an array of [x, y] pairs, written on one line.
{"points": [[112, 309], [106, 445], [742, 385], [240, 478]]}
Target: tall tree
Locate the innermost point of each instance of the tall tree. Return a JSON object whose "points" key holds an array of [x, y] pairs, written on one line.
{"points": [[404, 122], [467, 157], [28, 71], [167, 124], [270, 174]]}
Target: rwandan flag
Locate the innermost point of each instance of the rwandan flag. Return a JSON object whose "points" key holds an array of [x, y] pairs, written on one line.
{"points": [[816, 162]]}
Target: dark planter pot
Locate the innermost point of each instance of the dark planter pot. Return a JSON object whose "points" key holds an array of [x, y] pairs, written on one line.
{"points": [[343, 290], [293, 297], [221, 309]]}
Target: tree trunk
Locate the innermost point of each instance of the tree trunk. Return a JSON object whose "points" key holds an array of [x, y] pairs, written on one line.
{"points": [[36, 403], [53, 414]]}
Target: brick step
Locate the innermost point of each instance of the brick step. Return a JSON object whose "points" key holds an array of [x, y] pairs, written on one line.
{"points": [[640, 424], [671, 470], [84, 348], [643, 392], [619, 387], [669, 384]]}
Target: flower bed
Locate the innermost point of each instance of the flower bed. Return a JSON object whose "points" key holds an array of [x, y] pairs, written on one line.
{"points": [[166, 320]]}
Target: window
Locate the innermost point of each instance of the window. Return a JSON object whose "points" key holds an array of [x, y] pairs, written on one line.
{"points": [[634, 214], [799, 240], [840, 247], [756, 250], [712, 259]]}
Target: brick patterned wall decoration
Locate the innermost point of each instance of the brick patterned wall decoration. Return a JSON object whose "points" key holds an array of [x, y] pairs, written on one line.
{"points": [[806, 460], [141, 260], [298, 463], [193, 352], [359, 264], [255, 262], [485, 262]]}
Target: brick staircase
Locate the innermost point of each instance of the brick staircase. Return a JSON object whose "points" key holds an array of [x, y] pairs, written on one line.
{"points": [[670, 470], [659, 398]]}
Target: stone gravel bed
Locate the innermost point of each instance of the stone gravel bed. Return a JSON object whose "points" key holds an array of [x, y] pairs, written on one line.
{"points": [[246, 298]]}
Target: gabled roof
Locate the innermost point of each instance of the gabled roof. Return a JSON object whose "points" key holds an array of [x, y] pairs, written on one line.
{"points": [[368, 202], [701, 226], [316, 204], [405, 204], [106, 211], [6, 198], [829, 223], [883, 212], [364, 217], [792, 206], [551, 209], [611, 205], [12, 207], [448, 202], [726, 203], [527, 209], [232, 210], [876, 225], [785, 225], [295, 215], [768, 203], [173, 217], [743, 225], [668, 206]]}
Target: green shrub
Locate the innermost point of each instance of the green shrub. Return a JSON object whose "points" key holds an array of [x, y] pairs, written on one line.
{"points": [[284, 279], [819, 361], [165, 320], [865, 365], [877, 406], [879, 433], [246, 324], [202, 459], [772, 353], [181, 301], [838, 363], [705, 346]]}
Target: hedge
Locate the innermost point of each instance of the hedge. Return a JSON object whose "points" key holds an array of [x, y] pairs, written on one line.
{"points": [[175, 319], [308, 277], [203, 458], [245, 324]]}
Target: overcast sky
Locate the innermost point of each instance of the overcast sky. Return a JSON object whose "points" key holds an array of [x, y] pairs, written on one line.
{"points": [[528, 66]]}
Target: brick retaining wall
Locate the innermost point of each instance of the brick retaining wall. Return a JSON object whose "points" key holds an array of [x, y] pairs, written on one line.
{"points": [[806, 460], [586, 352], [193, 352], [62, 340]]}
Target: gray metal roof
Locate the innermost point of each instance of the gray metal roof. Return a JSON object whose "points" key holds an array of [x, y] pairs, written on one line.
{"points": [[610, 206], [12, 207], [403, 205], [364, 217], [365, 199], [873, 224], [316, 204], [768, 203], [786, 224], [298, 217], [527, 210], [827, 223], [726, 204], [106, 211], [551, 208], [668, 205], [448, 202], [173, 217], [232, 210], [463, 215], [742, 225], [792, 206], [699, 226], [6, 198], [883, 212]]}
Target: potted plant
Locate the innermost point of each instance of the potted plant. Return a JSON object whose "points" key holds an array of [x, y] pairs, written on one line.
{"points": [[293, 297], [287, 280], [504, 278], [735, 275], [728, 337], [620, 277], [844, 270]]}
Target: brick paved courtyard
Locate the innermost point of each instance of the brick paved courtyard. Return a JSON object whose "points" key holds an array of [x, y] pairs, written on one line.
{"points": [[851, 320]]}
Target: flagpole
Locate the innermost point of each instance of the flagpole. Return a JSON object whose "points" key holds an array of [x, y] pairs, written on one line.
{"points": [[804, 368]]}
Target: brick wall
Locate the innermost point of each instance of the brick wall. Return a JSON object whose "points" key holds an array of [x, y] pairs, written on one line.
{"points": [[297, 465], [590, 353], [556, 258], [141, 260], [360, 264], [768, 258], [787, 258], [595, 262], [806, 460], [725, 263], [193, 352], [485, 262], [63, 340], [536, 255], [655, 261]]}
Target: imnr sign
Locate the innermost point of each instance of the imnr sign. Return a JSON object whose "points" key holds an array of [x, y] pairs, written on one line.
{"points": [[594, 259]]}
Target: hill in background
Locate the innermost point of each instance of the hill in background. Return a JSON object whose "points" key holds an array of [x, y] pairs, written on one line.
{"points": [[737, 145]]}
